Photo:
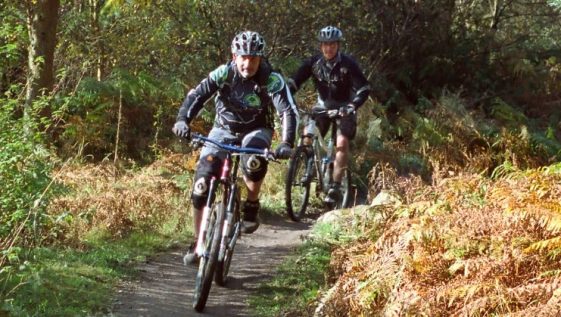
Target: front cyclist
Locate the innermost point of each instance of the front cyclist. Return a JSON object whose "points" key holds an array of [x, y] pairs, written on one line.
{"points": [[248, 95], [340, 84]]}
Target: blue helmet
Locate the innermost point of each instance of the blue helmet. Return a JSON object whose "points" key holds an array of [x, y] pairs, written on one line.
{"points": [[248, 43], [330, 34]]}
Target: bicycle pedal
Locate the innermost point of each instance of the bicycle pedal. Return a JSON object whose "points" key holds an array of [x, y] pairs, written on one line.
{"points": [[306, 179]]}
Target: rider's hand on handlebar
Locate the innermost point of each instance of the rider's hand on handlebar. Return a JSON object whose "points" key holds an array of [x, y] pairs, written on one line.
{"points": [[283, 151], [347, 110], [181, 129]]}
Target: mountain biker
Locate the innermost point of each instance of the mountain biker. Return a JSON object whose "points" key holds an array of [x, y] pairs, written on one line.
{"points": [[248, 92], [341, 85]]}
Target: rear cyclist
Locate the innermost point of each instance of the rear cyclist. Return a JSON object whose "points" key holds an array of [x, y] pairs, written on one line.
{"points": [[341, 85], [248, 94]]}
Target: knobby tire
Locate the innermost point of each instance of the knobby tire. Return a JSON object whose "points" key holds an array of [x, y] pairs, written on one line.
{"points": [[297, 194], [207, 263]]}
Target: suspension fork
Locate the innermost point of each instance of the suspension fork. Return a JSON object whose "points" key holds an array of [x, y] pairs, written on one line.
{"points": [[231, 194], [306, 142], [316, 159], [205, 221], [309, 167]]}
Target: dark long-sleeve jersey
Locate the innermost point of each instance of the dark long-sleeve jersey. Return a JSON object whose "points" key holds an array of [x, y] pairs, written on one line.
{"points": [[338, 83], [243, 105]]}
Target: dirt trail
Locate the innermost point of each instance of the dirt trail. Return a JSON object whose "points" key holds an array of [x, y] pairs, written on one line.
{"points": [[165, 286]]}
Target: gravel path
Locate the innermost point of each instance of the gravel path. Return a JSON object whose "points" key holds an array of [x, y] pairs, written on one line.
{"points": [[165, 286]]}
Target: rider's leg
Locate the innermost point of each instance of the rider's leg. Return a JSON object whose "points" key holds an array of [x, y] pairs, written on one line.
{"points": [[209, 165], [253, 189], [341, 158], [251, 205], [254, 169], [197, 217], [347, 131]]}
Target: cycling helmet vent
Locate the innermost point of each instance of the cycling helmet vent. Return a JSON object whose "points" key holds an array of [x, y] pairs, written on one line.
{"points": [[330, 34], [248, 43]]}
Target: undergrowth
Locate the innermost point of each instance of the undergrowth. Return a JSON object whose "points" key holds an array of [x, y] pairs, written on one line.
{"points": [[108, 220], [467, 246]]}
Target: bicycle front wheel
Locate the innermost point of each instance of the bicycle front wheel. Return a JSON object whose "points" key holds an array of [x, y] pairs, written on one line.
{"points": [[224, 260], [297, 184], [208, 261]]}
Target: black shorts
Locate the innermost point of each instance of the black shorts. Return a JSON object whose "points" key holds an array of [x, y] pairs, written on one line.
{"points": [[346, 127]]}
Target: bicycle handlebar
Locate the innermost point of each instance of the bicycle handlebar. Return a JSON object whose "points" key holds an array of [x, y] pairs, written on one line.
{"points": [[332, 114], [234, 149]]}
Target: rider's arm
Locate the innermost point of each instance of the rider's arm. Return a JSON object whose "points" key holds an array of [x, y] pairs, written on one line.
{"points": [[301, 75], [284, 105], [196, 98], [360, 85]]}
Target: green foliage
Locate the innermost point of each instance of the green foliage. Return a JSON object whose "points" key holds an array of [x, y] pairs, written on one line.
{"points": [[545, 143], [506, 114], [161, 49], [25, 171], [68, 282], [427, 133], [13, 40], [93, 112], [413, 163]]}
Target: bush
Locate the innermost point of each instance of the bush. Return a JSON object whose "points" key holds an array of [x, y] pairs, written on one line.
{"points": [[25, 172]]}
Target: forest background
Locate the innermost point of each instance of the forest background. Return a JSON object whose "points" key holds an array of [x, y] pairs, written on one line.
{"points": [[458, 87]]}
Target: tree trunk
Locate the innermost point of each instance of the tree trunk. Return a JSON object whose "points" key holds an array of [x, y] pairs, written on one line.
{"points": [[42, 20], [95, 7]]}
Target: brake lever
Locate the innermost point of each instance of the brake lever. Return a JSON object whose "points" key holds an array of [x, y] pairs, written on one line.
{"points": [[270, 156], [194, 141], [333, 113], [196, 144]]}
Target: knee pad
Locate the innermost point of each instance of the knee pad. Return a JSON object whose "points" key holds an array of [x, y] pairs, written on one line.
{"points": [[208, 166], [255, 167]]}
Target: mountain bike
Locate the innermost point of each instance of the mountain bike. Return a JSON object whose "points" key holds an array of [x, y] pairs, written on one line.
{"points": [[312, 161], [221, 222]]}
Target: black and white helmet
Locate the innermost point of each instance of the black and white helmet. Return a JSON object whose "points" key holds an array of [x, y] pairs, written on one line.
{"points": [[248, 43], [330, 34]]}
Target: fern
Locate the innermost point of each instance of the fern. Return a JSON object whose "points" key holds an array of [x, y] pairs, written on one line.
{"points": [[507, 114], [548, 245], [503, 170]]}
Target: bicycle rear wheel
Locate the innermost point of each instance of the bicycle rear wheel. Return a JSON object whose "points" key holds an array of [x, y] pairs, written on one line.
{"points": [[297, 184], [208, 261], [224, 260]]}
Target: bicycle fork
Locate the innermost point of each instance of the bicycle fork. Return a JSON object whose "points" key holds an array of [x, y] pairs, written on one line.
{"points": [[205, 221], [229, 222]]}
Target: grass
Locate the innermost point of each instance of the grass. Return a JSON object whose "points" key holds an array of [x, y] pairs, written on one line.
{"points": [[296, 284], [108, 225], [59, 281]]}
